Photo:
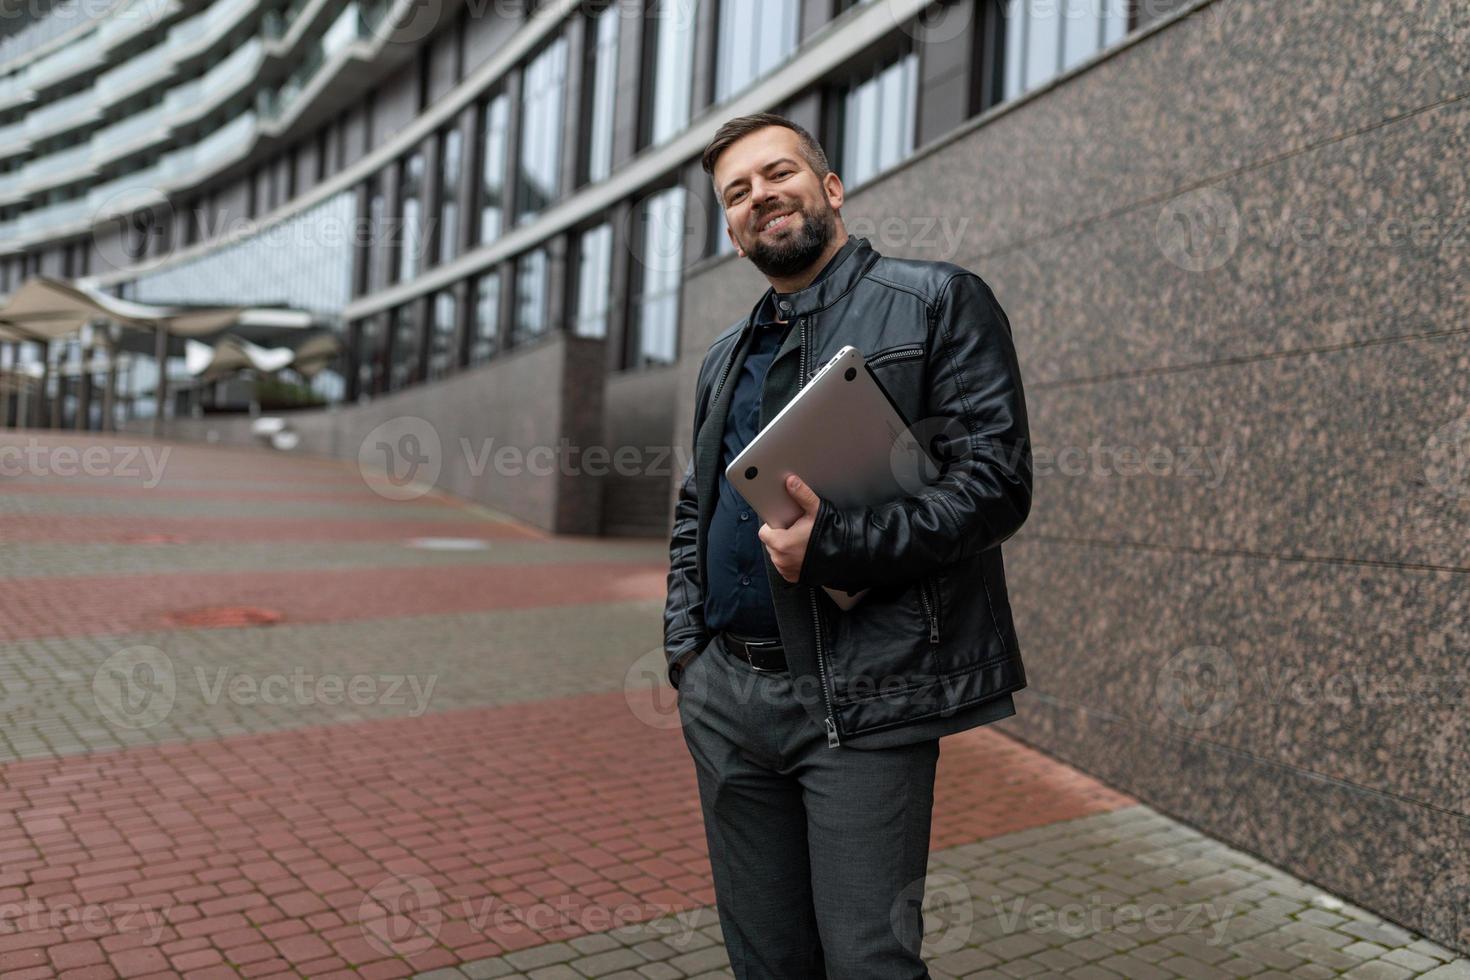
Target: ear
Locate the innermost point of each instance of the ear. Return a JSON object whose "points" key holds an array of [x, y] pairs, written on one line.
{"points": [[730, 234], [836, 193]]}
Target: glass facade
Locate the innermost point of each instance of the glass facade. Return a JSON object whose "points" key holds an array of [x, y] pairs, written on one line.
{"points": [[410, 237], [485, 338], [531, 297], [594, 282], [754, 37], [674, 31], [421, 209], [496, 120], [656, 309], [304, 261], [450, 152], [442, 351], [1046, 37], [543, 103], [879, 114], [404, 350], [602, 79]]}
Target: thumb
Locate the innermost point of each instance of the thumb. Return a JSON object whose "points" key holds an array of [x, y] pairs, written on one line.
{"points": [[802, 494]]}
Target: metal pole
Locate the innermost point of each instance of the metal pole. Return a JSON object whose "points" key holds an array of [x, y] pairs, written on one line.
{"points": [[9, 383], [41, 407], [109, 393], [160, 354]]}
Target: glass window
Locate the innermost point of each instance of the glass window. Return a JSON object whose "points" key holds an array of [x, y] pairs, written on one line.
{"points": [[673, 67], [594, 282], [441, 340], [411, 206], [543, 97], [531, 283], [450, 151], [878, 121], [603, 76], [486, 339], [369, 354], [377, 237], [754, 37], [1046, 37], [492, 177], [656, 310], [404, 368]]}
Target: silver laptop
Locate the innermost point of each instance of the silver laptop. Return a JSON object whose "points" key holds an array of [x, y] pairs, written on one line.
{"points": [[844, 437]]}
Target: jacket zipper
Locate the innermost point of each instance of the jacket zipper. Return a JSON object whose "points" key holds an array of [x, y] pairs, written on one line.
{"points": [[724, 372], [833, 738], [898, 352], [931, 604]]}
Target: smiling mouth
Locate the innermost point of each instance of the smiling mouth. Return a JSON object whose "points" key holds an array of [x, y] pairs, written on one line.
{"points": [[777, 223]]}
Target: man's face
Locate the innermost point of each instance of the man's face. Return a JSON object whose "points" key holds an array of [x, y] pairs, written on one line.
{"points": [[779, 213]]}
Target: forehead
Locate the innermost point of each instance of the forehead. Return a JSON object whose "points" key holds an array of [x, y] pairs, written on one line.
{"points": [[754, 150]]}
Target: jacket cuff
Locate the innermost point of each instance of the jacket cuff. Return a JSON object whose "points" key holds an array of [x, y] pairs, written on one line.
{"points": [[813, 570]]}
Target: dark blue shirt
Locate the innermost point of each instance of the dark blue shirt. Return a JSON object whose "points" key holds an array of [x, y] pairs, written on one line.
{"points": [[738, 595]]}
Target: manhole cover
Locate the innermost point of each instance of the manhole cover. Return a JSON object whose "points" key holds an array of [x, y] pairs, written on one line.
{"points": [[222, 616], [449, 544]]}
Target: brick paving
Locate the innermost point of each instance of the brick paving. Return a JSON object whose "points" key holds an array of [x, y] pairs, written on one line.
{"points": [[249, 729]]}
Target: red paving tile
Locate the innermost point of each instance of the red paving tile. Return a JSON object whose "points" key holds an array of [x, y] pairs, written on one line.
{"points": [[413, 842], [52, 606], [111, 529]]}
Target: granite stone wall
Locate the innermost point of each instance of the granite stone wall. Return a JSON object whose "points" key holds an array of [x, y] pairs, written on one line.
{"points": [[1235, 254]]}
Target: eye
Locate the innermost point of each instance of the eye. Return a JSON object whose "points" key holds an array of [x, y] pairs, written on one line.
{"points": [[784, 173], [735, 197]]}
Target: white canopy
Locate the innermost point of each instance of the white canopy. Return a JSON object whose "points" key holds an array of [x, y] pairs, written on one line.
{"points": [[43, 308]]}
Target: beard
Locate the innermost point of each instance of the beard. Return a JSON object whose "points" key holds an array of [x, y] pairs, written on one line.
{"points": [[795, 252]]}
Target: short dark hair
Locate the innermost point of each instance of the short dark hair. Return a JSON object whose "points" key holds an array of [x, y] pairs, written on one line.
{"points": [[742, 126]]}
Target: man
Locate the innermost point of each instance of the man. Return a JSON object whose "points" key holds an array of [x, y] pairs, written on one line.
{"points": [[815, 732]]}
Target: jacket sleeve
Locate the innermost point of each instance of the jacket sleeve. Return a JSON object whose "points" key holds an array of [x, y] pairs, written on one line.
{"points": [[684, 629], [984, 492]]}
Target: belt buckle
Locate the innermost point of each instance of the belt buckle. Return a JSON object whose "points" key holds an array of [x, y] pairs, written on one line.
{"points": [[746, 646]]}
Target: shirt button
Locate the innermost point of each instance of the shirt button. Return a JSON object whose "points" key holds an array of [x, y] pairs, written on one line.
{"points": [[745, 580], [744, 515], [785, 307]]}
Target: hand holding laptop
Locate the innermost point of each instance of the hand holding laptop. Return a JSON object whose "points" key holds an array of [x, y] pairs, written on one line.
{"points": [[843, 434]]}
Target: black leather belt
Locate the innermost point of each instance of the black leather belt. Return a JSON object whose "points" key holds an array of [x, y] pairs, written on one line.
{"points": [[765, 655]]}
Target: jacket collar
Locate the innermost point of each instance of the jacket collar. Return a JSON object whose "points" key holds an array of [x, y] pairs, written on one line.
{"points": [[848, 265]]}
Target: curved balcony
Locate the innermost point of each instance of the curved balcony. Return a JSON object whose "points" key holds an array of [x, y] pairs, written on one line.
{"points": [[72, 59], [139, 17], [56, 169], [130, 135], [62, 115], [134, 75]]}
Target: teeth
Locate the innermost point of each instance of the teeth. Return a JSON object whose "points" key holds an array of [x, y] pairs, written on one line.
{"points": [[779, 217]]}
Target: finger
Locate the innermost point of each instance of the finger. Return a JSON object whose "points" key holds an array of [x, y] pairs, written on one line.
{"points": [[802, 494]]}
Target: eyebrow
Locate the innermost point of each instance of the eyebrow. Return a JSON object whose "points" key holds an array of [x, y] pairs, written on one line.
{"points": [[768, 166]]}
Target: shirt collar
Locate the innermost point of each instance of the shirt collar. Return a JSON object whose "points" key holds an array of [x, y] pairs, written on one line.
{"points": [[841, 272]]}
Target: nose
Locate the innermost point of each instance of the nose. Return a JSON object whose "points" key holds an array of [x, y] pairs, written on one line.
{"points": [[761, 194]]}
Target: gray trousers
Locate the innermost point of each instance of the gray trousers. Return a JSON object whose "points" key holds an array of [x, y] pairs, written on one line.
{"points": [[818, 853]]}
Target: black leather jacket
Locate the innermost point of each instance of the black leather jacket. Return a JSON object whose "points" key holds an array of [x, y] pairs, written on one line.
{"points": [[934, 636]]}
